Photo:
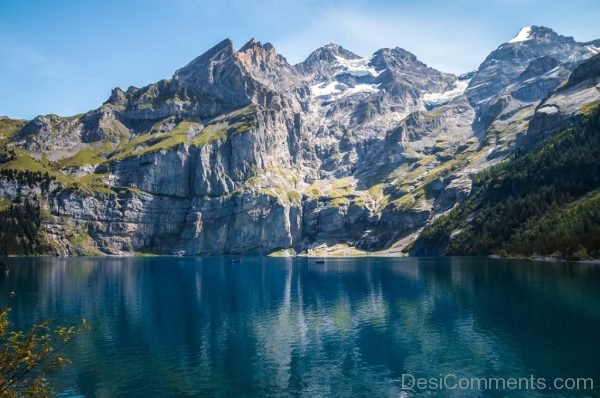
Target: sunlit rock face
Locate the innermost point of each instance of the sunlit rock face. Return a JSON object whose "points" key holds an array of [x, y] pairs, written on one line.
{"points": [[242, 152]]}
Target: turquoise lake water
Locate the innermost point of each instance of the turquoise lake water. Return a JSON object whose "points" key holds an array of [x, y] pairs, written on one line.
{"points": [[204, 327]]}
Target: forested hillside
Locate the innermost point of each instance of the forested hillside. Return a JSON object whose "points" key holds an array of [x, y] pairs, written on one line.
{"points": [[543, 202]]}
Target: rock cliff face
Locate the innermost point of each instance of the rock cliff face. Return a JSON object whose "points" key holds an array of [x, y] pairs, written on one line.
{"points": [[241, 152]]}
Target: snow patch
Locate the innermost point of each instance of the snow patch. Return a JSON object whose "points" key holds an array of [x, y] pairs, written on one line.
{"points": [[593, 49], [336, 90], [356, 67], [523, 35], [362, 88], [324, 89], [437, 99]]}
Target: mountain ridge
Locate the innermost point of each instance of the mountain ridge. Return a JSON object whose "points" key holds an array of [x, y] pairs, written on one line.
{"points": [[242, 152]]}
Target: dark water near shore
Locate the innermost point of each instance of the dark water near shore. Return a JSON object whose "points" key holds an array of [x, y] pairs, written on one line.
{"points": [[199, 327]]}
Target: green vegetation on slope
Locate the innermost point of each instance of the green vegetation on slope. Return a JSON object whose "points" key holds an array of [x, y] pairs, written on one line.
{"points": [[20, 160], [90, 155], [26, 177], [411, 190], [530, 204], [574, 230], [27, 170], [167, 133], [8, 127], [19, 229], [18, 164], [238, 122], [154, 141]]}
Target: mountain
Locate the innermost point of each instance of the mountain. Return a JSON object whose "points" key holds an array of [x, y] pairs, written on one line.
{"points": [[545, 202], [242, 152]]}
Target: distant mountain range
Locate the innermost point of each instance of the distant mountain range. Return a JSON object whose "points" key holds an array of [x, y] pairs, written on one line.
{"points": [[241, 152]]}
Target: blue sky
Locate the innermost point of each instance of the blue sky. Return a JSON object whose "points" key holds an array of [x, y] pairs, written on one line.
{"points": [[64, 56]]}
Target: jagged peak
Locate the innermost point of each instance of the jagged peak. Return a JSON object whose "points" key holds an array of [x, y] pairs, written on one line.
{"points": [[523, 35], [221, 50], [254, 52], [396, 53], [328, 53], [222, 45], [255, 44], [251, 43], [117, 97], [340, 51]]}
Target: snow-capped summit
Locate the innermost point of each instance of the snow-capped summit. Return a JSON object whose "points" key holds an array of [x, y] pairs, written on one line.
{"points": [[512, 58], [537, 33], [523, 35]]}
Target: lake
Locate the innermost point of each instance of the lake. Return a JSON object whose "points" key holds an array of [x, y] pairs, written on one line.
{"points": [[269, 327]]}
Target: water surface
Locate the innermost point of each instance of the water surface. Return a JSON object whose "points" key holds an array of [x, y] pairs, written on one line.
{"points": [[198, 327]]}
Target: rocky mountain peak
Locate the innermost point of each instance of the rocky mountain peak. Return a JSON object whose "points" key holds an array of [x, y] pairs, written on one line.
{"points": [[256, 60], [400, 69], [537, 33], [250, 44], [117, 97], [504, 66], [216, 79], [255, 45], [396, 54], [325, 56], [218, 53], [266, 66], [329, 52], [256, 52]]}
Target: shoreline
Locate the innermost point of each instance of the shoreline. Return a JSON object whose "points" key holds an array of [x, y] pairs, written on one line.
{"points": [[547, 259], [382, 254]]}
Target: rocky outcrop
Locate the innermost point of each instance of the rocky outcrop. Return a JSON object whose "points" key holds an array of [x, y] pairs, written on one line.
{"points": [[567, 103]]}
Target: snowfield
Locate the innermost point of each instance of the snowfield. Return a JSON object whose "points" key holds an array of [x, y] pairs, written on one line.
{"points": [[523, 35], [442, 98]]}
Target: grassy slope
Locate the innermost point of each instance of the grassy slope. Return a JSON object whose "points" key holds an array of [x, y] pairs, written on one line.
{"points": [[8, 127], [190, 132], [21, 234]]}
